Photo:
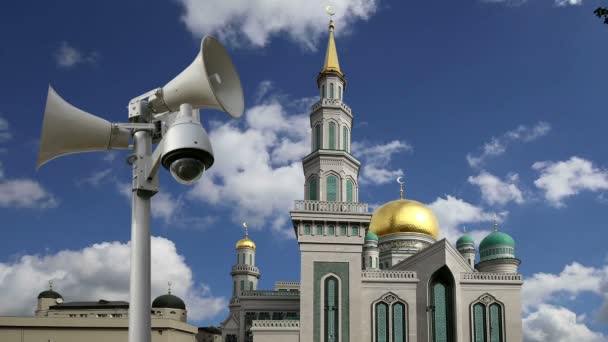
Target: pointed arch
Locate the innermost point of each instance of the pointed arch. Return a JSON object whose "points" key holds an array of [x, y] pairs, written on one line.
{"points": [[345, 138], [389, 319], [331, 307], [487, 319], [318, 136], [313, 188], [332, 135], [441, 305], [332, 186], [331, 90]]}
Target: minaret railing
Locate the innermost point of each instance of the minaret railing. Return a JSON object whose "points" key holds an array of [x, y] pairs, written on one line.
{"points": [[330, 206], [331, 103]]}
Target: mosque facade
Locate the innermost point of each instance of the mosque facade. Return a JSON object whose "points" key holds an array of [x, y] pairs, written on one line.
{"points": [[372, 277]]}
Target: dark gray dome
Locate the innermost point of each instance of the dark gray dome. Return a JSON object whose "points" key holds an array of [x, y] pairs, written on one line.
{"points": [[49, 294], [169, 301]]}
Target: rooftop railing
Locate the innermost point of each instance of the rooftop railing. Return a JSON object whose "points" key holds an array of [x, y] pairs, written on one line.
{"points": [[491, 276], [332, 103], [332, 207]]}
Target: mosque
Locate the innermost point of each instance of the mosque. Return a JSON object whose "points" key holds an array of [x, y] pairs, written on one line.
{"points": [[381, 277]]}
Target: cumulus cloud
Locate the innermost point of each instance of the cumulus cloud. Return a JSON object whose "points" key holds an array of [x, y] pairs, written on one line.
{"points": [[101, 271], [495, 191], [567, 178], [557, 324], [453, 213], [5, 134], [25, 193], [498, 146], [564, 3], [164, 205], [68, 56], [375, 160], [254, 22]]}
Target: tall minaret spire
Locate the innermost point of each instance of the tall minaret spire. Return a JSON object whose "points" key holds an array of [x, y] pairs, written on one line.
{"points": [[331, 55]]}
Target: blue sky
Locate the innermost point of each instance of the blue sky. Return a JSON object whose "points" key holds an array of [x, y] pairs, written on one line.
{"points": [[487, 107]]}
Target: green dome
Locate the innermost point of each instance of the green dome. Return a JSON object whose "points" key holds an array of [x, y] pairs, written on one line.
{"points": [[496, 239], [371, 236], [169, 301], [49, 294], [464, 239]]}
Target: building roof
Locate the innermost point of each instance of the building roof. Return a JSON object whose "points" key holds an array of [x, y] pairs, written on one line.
{"points": [[211, 330], [49, 294], [465, 239], [371, 236], [497, 239], [169, 301]]}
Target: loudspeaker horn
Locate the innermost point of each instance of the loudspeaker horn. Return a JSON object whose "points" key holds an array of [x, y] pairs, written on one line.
{"points": [[211, 81], [67, 129]]}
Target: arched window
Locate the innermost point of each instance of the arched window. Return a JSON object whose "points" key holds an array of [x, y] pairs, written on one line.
{"points": [[250, 259], [332, 136], [331, 309], [382, 322], [398, 322], [340, 92], [345, 138], [331, 90], [369, 262], [487, 318], [250, 286], [441, 306], [318, 137], [331, 230], [234, 288], [479, 322], [495, 323], [313, 189], [349, 191], [242, 285], [332, 188], [319, 230], [307, 229], [323, 91]]}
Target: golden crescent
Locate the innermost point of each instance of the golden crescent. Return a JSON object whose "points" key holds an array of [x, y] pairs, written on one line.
{"points": [[399, 180], [245, 224], [330, 10]]}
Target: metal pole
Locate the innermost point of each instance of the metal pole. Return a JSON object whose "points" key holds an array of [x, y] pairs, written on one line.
{"points": [[139, 290]]}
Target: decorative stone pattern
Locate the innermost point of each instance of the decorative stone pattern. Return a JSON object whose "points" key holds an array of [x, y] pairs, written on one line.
{"points": [[268, 293], [276, 324], [381, 274], [330, 103], [491, 276], [410, 244]]}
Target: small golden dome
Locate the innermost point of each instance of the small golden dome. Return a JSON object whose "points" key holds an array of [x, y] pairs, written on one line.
{"points": [[404, 216], [246, 242]]}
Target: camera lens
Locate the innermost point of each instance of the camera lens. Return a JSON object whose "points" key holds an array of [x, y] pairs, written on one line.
{"points": [[187, 170]]}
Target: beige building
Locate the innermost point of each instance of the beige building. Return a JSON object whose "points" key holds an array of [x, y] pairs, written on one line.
{"points": [[381, 277], [100, 321]]}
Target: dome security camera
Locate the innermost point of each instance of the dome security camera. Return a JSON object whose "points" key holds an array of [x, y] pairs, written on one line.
{"points": [[187, 151]]}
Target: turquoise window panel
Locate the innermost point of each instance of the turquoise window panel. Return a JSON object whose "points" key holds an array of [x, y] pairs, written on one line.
{"points": [[370, 261], [307, 229], [331, 90], [332, 188], [345, 139], [340, 92], [440, 326], [313, 188], [398, 322], [250, 286], [332, 136], [319, 230], [323, 91], [318, 136], [381, 322], [234, 288], [349, 191], [495, 323], [343, 230], [479, 322], [331, 230], [355, 231], [242, 285], [331, 309]]}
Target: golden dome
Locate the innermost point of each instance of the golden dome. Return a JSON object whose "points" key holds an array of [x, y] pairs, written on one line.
{"points": [[404, 216], [246, 242]]}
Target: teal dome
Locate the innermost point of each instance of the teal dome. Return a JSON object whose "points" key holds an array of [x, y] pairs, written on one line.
{"points": [[464, 240], [497, 239], [371, 236], [169, 301]]}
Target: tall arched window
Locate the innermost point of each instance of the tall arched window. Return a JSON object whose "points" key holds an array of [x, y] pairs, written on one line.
{"points": [[318, 136], [398, 322], [479, 323], [323, 91], [349, 191], [339, 92], [487, 318], [250, 286], [332, 136], [331, 308], [250, 259], [381, 322], [313, 189], [369, 262], [495, 323], [331, 90], [242, 285], [441, 306], [345, 138], [332, 188]]}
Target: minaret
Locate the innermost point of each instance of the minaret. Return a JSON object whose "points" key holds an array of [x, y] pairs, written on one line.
{"points": [[466, 247], [497, 253], [244, 273], [46, 299], [370, 252], [330, 170]]}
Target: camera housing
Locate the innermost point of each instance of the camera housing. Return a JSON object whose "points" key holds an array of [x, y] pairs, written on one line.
{"points": [[187, 150]]}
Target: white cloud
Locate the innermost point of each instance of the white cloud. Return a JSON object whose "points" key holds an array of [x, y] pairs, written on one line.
{"points": [[563, 3], [164, 205], [567, 178], [557, 324], [375, 160], [68, 56], [96, 178], [101, 271], [498, 146], [258, 171], [452, 213], [25, 193], [496, 191], [256, 21], [5, 134]]}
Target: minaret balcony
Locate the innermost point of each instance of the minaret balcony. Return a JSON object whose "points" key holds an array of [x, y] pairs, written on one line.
{"points": [[336, 103], [331, 207], [241, 269]]}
